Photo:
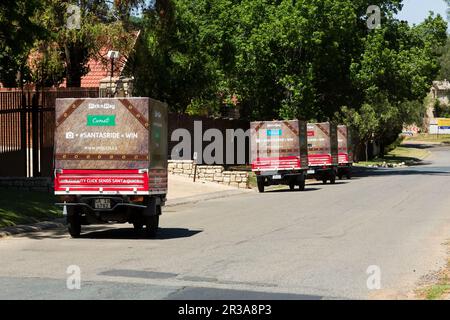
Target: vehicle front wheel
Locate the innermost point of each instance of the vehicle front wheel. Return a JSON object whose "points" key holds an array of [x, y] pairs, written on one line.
{"points": [[302, 183], [260, 183], [137, 225], [333, 178], [74, 224]]}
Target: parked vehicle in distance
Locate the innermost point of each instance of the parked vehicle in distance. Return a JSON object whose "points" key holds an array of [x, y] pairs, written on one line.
{"points": [[323, 151], [345, 152], [279, 153], [110, 161]]}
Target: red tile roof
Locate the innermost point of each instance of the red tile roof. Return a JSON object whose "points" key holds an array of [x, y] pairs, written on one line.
{"points": [[100, 68]]}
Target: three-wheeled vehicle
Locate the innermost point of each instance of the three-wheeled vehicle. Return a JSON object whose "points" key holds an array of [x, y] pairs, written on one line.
{"points": [[110, 161], [279, 153]]}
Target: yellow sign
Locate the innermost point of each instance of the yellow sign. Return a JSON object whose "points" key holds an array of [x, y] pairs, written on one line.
{"points": [[443, 122]]}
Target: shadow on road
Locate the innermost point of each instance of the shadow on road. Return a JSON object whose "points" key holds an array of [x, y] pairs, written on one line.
{"points": [[319, 183], [418, 145], [107, 232], [130, 234], [367, 172], [287, 190]]}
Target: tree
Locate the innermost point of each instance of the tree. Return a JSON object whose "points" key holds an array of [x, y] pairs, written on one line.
{"points": [[291, 59], [396, 70], [282, 58], [18, 31], [100, 26]]}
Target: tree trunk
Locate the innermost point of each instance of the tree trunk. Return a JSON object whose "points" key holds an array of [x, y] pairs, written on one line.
{"points": [[76, 56], [367, 150]]}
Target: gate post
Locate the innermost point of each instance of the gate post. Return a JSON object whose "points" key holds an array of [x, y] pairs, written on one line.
{"points": [[23, 134], [35, 133]]}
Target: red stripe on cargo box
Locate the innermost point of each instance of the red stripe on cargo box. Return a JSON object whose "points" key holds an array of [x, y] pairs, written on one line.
{"points": [[108, 180], [343, 158], [276, 163], [319, 159]]}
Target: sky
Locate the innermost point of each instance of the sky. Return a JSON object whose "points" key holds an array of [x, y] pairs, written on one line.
{"points": [[415, 11]]}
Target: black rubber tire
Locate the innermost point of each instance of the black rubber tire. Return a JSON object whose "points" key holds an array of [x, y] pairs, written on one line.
{"points": [[324, 181], [333, 178], [260, 183], [349, 176], [302, 183], [340, 176], [74, 224], [152, 224], [292, 185], [137, 225]]}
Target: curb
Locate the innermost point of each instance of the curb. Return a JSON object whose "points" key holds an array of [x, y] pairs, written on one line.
{"points": [[208, 196], [40, 226], [60, 222]]}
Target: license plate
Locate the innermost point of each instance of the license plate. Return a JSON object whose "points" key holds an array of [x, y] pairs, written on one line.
{"points": [[311, 172], [102, 204], [276, 177]]}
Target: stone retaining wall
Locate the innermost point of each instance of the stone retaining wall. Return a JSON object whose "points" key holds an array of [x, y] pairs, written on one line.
{"points": [[238, 179]]}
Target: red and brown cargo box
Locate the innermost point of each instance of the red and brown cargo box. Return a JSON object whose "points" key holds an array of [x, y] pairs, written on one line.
{"points": [[345, 151], [110, 146], [322, 151]]}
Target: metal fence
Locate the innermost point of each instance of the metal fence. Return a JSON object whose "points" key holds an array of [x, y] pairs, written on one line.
{"points": [[27, 123]]}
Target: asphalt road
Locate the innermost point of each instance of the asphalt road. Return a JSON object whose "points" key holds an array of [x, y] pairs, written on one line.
{"points": [[316, 244]]}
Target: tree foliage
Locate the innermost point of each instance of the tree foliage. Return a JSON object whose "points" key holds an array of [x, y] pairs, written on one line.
{"points": [[18, 31]]}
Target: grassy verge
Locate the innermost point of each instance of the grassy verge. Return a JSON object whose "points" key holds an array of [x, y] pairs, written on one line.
{"points": [[402, 154], [442, 138], [22, 207], [438, 290], [252, 180]]}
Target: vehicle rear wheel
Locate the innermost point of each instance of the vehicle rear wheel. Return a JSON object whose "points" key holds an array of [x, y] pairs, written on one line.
{"points": [[73, 223], [324, 181], [340, 176], [292, 185], [152, 223], [349, 175], [260, 183]]}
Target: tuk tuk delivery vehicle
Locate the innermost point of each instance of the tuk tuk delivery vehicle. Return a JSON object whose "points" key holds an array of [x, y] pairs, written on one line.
{"points": [[279, 153], [110, 161]]}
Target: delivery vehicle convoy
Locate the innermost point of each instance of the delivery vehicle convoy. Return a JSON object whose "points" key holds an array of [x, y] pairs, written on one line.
{"points": [[345, 152], [279, 154], [110, 158], [323, 151], [110, 161]]}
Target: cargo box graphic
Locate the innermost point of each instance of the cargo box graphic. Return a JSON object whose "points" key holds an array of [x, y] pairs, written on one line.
{"points": [[111, 134], [345, 146]]}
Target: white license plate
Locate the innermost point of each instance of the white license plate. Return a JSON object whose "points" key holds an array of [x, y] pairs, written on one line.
{"points": [[276, 177], [102, 204], [311, 172]]}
